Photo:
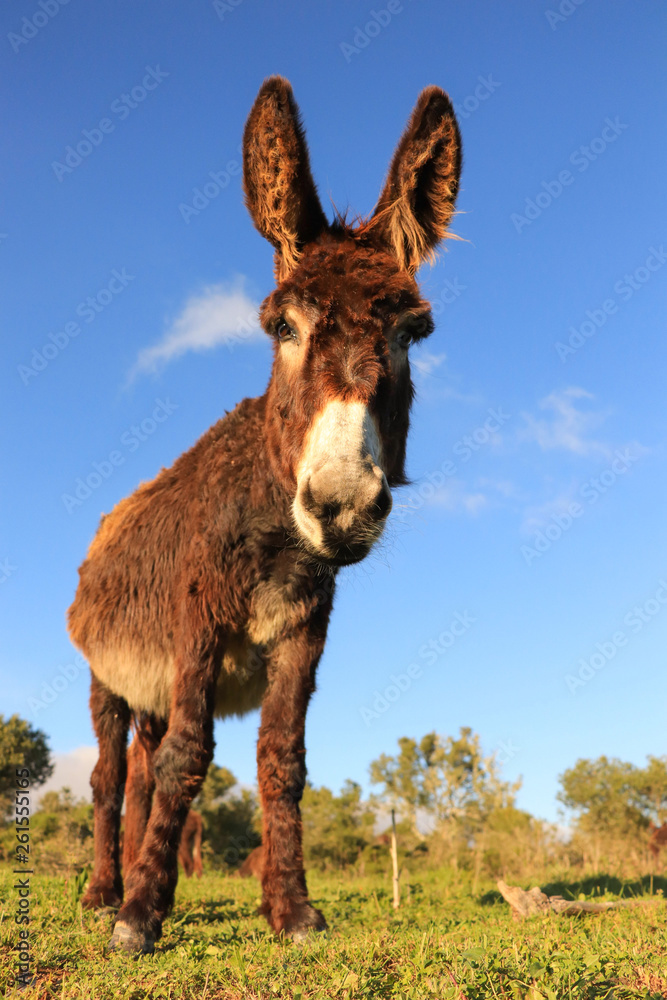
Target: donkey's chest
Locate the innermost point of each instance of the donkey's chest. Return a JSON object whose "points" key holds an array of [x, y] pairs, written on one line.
{"points": [[276, 609]]}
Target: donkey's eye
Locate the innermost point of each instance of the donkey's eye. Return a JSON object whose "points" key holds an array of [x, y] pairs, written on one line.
{"points": [[404, 338], [284, 331]]}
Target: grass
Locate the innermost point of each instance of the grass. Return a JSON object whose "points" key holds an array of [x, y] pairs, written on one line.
{"points": [[443, 943]]}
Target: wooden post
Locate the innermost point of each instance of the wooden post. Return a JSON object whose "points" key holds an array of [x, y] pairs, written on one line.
{"points": [[394, 861]]}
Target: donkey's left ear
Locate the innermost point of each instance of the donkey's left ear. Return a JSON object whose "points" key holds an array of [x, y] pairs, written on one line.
{"points": [[417, 201], [279, 188]]}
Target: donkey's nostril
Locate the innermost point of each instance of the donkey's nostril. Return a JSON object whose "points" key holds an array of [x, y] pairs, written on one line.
{"points": [[329, 511], [381, 505], [307, 498]]}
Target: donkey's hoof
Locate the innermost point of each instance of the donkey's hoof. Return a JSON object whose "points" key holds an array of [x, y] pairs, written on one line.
{"points": [[308, 922], [125, 938], [302, 934]]}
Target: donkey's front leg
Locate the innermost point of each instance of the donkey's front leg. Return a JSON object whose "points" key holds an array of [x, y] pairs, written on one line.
{"points": [[281, 769], [180, 766]]}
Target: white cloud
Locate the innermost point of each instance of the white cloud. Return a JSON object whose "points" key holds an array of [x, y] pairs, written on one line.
{"points": [[219, 314], [536, 516], [505, 487], [72, 770], [567, 428], [426, 363], [454, 497], [435, 382]]}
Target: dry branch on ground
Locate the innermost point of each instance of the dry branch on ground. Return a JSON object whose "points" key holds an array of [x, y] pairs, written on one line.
{"points": [[532, 902]]}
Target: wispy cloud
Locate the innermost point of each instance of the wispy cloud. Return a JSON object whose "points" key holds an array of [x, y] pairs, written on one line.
{"points": [[536, 516], [503, 487], [435, 381], [566, 427], [426, 363], [222, 314], [455, 497]]}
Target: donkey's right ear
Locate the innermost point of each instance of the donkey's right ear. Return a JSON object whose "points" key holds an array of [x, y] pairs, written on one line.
{"points": [[279, 188]]}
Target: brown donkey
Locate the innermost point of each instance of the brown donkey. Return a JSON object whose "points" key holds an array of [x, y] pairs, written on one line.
{"points": [[208, 591], [657, 840]]}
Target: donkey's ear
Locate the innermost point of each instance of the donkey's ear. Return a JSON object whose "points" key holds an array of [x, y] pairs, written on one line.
{"points": [[417, 201], [279, 188]]}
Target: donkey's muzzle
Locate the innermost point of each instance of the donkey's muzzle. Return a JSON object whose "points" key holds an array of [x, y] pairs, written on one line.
{"points": [[341, 508]]}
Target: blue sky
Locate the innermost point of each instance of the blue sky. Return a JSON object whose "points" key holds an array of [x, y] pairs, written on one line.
{"points": [[537, 447]]}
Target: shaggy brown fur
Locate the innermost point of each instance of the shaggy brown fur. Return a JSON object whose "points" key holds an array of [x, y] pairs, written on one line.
{"points": [[253, 864], [657, 840], [139, 789], [189, 851], [208, 591]]}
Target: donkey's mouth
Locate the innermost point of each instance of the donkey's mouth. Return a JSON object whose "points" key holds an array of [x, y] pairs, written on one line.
{"points": [[347, 555], [336, 551]]}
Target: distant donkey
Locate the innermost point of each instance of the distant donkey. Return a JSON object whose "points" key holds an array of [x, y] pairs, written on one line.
{"points": [[208, 591], [657, 839], [189, 851]]}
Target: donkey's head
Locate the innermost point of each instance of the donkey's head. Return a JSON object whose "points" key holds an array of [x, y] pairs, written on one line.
{"points": [[343, 315]]}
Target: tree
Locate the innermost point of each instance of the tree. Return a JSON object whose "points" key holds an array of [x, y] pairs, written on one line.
{"points": [[336, 828], [651, 784], [231, 827], [606, 796], [612, 797], [58, 802], [218, 781], [402, 778], [448, 777], [21, 746], [463, 784]]}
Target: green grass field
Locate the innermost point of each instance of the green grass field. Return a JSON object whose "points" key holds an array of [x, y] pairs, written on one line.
{"points": [[442, 943]]}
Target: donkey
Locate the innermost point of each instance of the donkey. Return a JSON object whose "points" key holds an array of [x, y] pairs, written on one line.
{"points": [[657, 840], [207, 592], [189, 851]]}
